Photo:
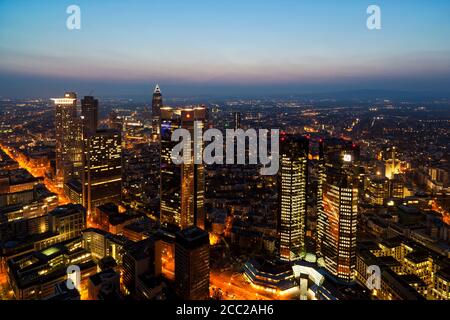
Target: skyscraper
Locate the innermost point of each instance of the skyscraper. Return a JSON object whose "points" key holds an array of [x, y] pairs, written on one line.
{"points": [[102, 177], [337, 225], [89, 113], [321, 176], [68, 138], [237, 120], [170, 175], [340, 153], [192, 175], [182, 186], [192, 264], [292, 196], [157, 104]]}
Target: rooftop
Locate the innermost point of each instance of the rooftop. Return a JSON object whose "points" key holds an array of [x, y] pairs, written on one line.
{"points": [[67, 210], [192, 237], [417, 256], [100, 277], [141, 249], [444, 274], [19, 176]]}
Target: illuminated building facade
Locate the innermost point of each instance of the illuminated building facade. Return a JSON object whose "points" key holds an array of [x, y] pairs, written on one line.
{"points": [[67, 220], [393, 165], [396, 187], [170, 191], [89, 113], [320, 179], [300, 280], [165, 254], [408, 270], [17, 186], [292, 196], [68, 138], [34, 275], [192, 174], [337, 226], [392, 284], [182, 186], [103, 244], [27, 218], [377, 190], [102, 178], [192, 264], [271, 276], [74, 191], [441, 286]]}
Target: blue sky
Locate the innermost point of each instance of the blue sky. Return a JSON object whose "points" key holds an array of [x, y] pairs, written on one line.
{"points": [[206, 46]]}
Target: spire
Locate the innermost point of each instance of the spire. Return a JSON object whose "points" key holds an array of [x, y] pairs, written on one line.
{"points": [[157, 89]]}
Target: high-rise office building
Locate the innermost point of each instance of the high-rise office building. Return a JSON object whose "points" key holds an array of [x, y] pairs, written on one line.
{"points": [[293, 180], [337, 225], [170, 175], [321, 176], [377, 190], [157, 104], [182, 186], [138, 258], [192, 175], [68, 139], [89, 113], [102, 177], [396, 187], [192, 264]]}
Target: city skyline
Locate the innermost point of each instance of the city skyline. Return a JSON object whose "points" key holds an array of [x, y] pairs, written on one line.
{"points": [[249, 152], [223, 49], [346, 202]]}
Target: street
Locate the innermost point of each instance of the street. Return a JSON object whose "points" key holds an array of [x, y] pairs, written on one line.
{"points": [[235, 287]]}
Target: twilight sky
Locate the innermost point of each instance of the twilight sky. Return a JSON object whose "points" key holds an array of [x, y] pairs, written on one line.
{"points": [[222, 47]]}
